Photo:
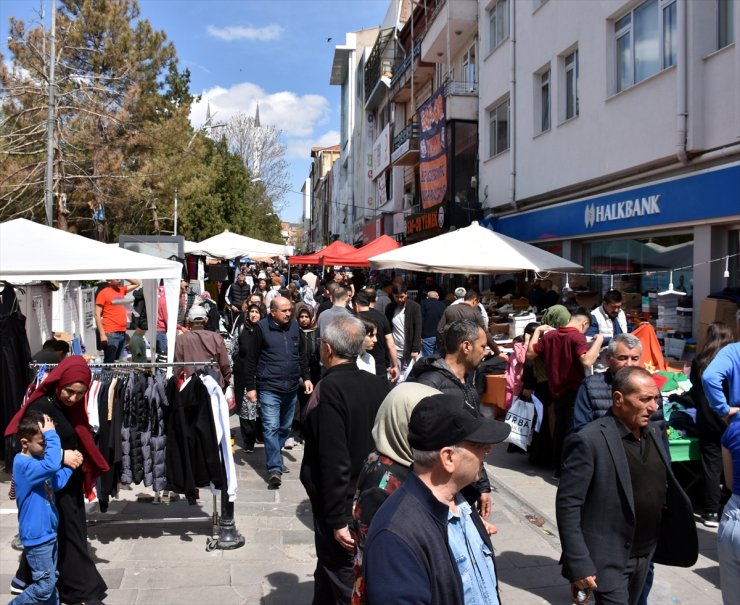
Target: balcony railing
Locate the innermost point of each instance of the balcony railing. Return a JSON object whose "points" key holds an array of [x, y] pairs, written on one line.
{"points": [[453, 88], [400, 67], [410, 132]]}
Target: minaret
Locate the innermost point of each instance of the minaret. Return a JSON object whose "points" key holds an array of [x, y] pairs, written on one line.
{"points": [[258, 143], [257, 117], [207, 123]]}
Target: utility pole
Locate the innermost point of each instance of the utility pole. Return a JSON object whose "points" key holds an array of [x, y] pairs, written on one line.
{"points": [[49, 181]]}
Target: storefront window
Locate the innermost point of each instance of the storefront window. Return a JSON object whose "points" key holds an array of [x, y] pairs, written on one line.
{"points": [[641, 266]]}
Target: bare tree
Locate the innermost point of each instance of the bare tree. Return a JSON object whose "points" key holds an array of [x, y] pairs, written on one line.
{"points": [[263, 153]]}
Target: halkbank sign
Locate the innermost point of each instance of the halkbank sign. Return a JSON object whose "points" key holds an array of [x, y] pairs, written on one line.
{"points": [[617, 211], [700, 196]]}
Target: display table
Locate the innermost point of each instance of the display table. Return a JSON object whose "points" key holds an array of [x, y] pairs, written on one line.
{"points": [[684, 450]]}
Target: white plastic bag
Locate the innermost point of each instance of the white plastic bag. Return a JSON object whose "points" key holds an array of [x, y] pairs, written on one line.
{"points": [[519, 418]]}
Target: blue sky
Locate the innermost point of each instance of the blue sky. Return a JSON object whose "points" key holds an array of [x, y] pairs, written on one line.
{"points": [[244, 52]]}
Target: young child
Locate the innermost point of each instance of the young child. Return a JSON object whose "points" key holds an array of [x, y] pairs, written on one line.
{"points": [[38, 471]]}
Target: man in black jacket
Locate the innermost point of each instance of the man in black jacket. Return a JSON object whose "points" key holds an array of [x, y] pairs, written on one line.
{"points": [[404, 316], [338, 438], [274, 369], [465, 343], [618, 503], [425, 538]]}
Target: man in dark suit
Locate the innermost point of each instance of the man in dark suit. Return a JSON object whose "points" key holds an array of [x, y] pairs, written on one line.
{"points": [[618, 503], [404, 316]]}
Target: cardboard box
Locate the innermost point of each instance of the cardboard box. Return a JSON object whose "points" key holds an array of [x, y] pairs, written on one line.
{"points": [[715, 309], [701, 335], [631, 301]]}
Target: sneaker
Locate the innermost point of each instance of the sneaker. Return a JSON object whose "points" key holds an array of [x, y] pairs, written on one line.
{"points": [[249, 450], [16, 543], [286, 470], [275, 480], [289, 443], [710, 519], [17, 586]]}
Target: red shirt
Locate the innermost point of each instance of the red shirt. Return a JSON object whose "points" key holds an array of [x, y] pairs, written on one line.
{"points": [[562, 350], [114, 316]]}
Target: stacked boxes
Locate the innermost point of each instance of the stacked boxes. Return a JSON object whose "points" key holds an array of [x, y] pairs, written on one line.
{"points": [[715, 309]]}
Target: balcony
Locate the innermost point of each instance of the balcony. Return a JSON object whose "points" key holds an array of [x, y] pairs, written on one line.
{"points": [[461, 100], [460, 19], [407, 70], [379, 69], [406, 146]]}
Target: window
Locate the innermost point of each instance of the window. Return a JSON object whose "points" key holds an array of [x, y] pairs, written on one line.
{"points": [[545, 101], [498, 128], [646, 41], [725, 19], [571, 85], [468, 67], [498, 24]]}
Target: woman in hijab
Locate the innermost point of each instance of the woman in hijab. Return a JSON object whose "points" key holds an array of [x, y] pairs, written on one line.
{"points": [[245, 344], [386, 468], [62, 396]]}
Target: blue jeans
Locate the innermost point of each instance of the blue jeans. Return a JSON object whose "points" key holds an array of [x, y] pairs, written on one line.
{"points": [[728, 549], [428, 346], [277, 411], [42, 560], [162, 342], [113, 349]]}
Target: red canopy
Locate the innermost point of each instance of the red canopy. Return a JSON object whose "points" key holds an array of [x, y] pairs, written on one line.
{"points": [[335, 249], [359, 258]]}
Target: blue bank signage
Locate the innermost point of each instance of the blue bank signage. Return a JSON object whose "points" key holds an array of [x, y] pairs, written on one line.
{"points": [[702, 196]]}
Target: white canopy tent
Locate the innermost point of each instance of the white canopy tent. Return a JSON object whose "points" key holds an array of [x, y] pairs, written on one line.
{"points": [[33, 252], [228, 245], [472, 249]]}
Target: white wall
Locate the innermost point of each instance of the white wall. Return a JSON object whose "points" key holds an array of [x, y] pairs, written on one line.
{"points": [[614, 132]]}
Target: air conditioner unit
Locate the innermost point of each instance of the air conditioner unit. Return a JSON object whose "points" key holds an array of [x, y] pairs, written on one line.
{"points": [[408, 200]]}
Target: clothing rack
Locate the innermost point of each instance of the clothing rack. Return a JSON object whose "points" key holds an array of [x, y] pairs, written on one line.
{"points": [[224, 534], [133, 366]]}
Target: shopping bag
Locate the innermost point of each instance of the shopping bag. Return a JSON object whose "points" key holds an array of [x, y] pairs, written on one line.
{"points": [[519, 418], [406, 371]]}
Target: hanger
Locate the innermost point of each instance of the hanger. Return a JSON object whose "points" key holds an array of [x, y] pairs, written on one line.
{"points": [[670, 290]]}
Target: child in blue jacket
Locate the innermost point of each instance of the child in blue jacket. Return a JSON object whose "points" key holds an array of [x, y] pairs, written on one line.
{"points": [[38, 472]]}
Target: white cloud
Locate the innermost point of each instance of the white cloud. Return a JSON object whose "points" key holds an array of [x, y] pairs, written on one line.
{"points": [[298, 116], [301, 148], [239, 32]]}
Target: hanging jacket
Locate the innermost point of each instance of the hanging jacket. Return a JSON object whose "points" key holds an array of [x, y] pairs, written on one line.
{"points": [[157, 401], [192, 456]]}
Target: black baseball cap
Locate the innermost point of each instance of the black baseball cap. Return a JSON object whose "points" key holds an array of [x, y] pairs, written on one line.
{"points": [[441, 421]]}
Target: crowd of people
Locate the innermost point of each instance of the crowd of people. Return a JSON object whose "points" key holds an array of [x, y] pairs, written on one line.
{"points": [[384, 390]]}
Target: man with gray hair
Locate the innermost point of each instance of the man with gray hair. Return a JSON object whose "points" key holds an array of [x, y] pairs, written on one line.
{"points": [[338, 438], [425, 538], [594, 397]]}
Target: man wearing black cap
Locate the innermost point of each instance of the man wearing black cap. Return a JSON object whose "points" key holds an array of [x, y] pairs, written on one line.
{"points": [[425, 537]]}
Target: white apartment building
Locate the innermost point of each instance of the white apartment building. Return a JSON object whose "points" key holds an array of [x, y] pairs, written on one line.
{"points": [[610, 134]]}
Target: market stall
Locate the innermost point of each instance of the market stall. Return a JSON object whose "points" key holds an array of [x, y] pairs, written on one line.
{"points": [[32, 253], [229, 245], [472, 249]]}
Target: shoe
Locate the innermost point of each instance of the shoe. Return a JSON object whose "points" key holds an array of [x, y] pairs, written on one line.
{"points": [[275, 480], [17, 586], [16, 543], [249, 450], [710, 519], [286, 470], [289, 443]]}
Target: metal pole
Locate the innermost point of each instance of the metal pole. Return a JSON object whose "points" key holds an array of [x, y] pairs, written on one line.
{"points": [[174, 229], [49, 181]]}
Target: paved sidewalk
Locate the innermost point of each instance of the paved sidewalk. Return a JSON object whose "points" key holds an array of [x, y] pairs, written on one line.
{"points": [[167, 563]]}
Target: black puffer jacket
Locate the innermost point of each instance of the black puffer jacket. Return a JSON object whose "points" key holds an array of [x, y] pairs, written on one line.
{"points": [[434, 372], [156, 401]]}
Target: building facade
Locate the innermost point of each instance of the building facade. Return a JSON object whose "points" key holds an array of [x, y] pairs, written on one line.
{"points": [[611, 136]]}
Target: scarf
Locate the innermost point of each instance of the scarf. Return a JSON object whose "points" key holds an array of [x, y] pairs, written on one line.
{"points": [[391, 428], [556, 316], [72, 369]]}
